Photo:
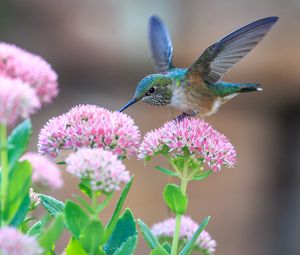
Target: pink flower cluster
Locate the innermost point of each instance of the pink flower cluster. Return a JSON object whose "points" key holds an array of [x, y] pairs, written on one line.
{"points": [[44, 172], [102, 168], [16, 63], [17, 100], [165, 229], [12, 242], [194, 134], [89, 126]]}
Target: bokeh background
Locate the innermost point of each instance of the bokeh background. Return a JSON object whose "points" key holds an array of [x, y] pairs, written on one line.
{"points": [[100, 52]]}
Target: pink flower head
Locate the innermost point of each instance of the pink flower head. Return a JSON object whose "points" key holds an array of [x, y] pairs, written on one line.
{"points": [[17, 100], [194, 134], [45, 173], [165, 229], [90, 126], [102, 168], [12, 242], [17, 63]]}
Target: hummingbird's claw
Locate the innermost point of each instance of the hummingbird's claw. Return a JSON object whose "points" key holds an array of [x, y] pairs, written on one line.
{"points": [[184, 115]]}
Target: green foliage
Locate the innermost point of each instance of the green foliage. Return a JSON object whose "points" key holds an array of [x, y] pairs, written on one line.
{"points": [[22, 212], [148, 236], [188, 248], [18, 191], [76, 218], [105, 202], [175, 199], [52, 205], [166, 171], [85, 188], [123, 237], [18, 141], [178, 162], [167, 246], [92, 236], [52, 233], [84, 203], [75, 248], [35, 229], [202, 175], [128, 247], [113, 221], [159, 251]]}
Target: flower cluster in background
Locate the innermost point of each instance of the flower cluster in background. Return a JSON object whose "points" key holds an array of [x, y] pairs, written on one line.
{"points": [[45, 173], [17, 100], [12, 242], [104, 170], [194, 134], [16, 63], [27, 81], [165, 230], [89, 126]]}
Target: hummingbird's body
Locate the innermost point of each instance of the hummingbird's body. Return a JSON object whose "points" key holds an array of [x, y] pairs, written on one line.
{"points": [[195, 97], [197, 90]]}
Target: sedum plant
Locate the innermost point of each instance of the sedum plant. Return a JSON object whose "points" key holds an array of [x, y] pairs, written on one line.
{"points": [[194, 150]]}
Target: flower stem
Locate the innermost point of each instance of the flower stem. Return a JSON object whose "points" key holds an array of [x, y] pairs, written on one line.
{"points": [[4, 168], [94, 202], [184, 183]]}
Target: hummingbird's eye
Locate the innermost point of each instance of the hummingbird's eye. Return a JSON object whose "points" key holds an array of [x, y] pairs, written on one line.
{"points": [[151, 91]]}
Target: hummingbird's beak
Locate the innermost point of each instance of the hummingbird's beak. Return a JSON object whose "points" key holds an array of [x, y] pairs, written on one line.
{"points": [[131, 102]]}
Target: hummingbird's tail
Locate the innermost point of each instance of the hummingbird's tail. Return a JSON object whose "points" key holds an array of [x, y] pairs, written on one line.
{"points": [[223, 89], [248, 87]]}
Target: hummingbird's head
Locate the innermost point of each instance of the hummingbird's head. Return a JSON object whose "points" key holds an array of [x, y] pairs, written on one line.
{"points": [[154, 89]]}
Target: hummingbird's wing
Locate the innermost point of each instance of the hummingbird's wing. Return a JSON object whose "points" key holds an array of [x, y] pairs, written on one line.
{"points": [[160, 44], [218, 58]]}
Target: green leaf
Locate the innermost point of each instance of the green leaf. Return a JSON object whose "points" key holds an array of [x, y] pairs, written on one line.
{"points": [[113, 220], [35, 230], [84, 203], [128, 247], [202, 175], [175, 199], [159, 251], [166, 171], [52, 234], [18, 141], [76, 218], [75, 248], [52, 205], [148, 236], [91, 236], [85, 188], [22, 212], [18, 190], [167, 246], [187, 249], [125, 229]]}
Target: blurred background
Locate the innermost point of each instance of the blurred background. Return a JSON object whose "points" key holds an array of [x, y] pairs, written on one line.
{"points": [[100, 51]]}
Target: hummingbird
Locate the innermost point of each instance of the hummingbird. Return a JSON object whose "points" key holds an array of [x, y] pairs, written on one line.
{"points": [[197, 90]]}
